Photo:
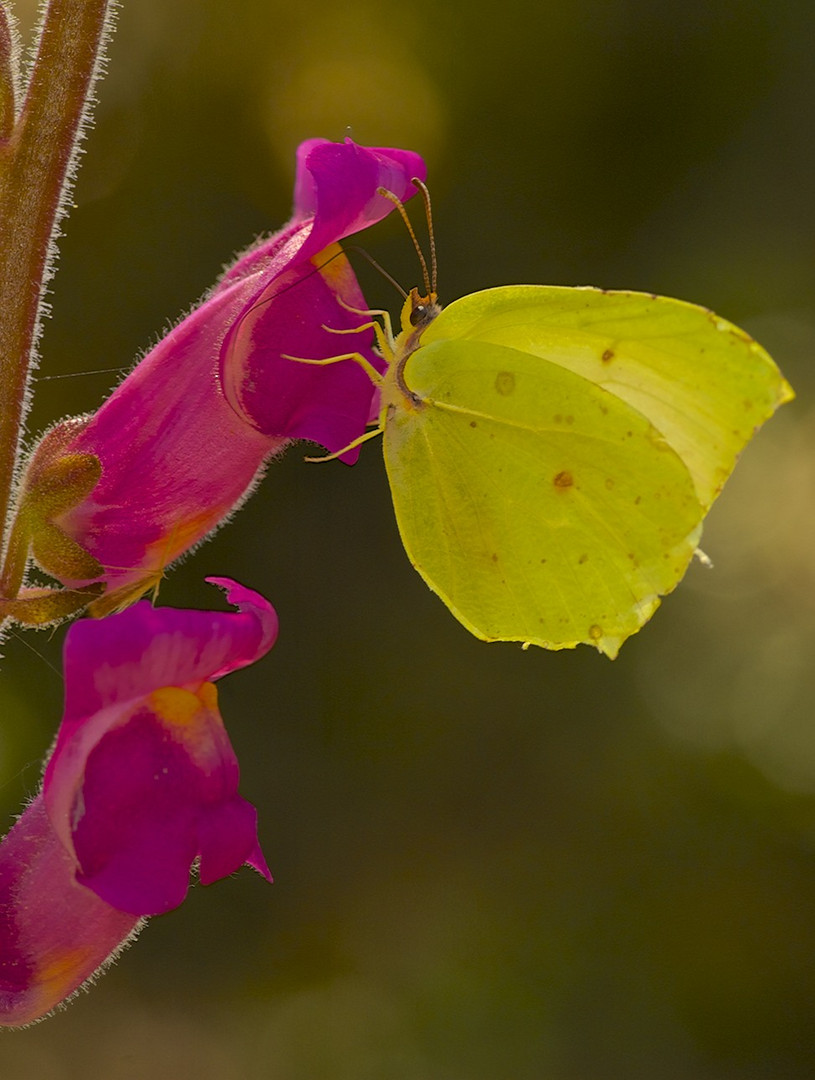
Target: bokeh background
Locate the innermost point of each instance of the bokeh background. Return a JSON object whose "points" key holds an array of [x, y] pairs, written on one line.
{"points": [[490, 864]]}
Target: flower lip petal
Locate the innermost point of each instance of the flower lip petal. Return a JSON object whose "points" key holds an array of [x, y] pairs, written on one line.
{"points": [[299, 313], [338, 183], [229, 840], [158, 790], [141, 793], [128, 655], [258, 611]]}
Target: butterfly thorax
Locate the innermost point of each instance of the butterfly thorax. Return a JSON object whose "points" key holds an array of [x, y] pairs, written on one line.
{"points": [[417, 314]]}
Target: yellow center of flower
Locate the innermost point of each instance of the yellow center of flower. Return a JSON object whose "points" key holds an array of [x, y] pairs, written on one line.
{"points": [[182, 708]]}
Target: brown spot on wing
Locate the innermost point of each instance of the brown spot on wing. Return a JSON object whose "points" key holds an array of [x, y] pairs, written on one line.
{"points": [[505, 383]]}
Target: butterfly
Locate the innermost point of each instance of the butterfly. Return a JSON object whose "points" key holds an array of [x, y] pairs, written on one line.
{"points": [[553, 451]]}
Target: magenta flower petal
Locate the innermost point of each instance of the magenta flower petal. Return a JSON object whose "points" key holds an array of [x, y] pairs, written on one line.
{"points": [[228, 841], [337, 184], [335, 195], [143, 779], [328, 405], [176, 459], [54, 933], [129, 656], [150, 807], [183, 439]]}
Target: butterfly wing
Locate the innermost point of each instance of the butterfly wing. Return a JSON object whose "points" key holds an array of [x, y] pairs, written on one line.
{"points": [[703, 383], [534, 492]]}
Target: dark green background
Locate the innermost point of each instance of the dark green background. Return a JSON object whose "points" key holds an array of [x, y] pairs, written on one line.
{"points": [[490, 864]]}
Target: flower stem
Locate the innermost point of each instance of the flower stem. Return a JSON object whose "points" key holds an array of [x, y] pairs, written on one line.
{"points": [[7, 60], [36, 168]]}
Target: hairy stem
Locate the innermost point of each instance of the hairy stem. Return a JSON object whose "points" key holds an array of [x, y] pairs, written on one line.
{"points": [[36, 161], [7, 74]]}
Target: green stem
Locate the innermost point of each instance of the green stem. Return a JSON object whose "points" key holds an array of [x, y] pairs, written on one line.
{"points": [[35, 172], [7, 62]]}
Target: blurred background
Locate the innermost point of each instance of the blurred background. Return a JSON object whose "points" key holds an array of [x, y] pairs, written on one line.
{"points": [[489, 864]]}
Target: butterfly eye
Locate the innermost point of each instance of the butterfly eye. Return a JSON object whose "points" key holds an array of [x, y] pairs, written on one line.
{"points": [[424, 309]]}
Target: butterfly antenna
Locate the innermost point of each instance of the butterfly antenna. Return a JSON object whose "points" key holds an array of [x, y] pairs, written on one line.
{"points": [[400, 206], [377, 266], [428, 213]]}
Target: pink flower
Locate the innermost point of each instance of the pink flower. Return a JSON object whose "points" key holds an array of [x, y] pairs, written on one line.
{"points": [[183, 439], [142, 783]]}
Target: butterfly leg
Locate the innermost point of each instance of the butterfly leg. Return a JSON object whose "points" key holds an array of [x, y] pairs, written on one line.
{"points": [[358, 358], [351, 446], [384, 331]]}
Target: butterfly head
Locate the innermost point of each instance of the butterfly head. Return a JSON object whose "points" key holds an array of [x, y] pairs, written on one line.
{"points": [[419, 311]]}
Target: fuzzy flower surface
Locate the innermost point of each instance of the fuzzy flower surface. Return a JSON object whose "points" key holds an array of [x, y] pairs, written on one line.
{"points": [[142, 783], [114, 498]]}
